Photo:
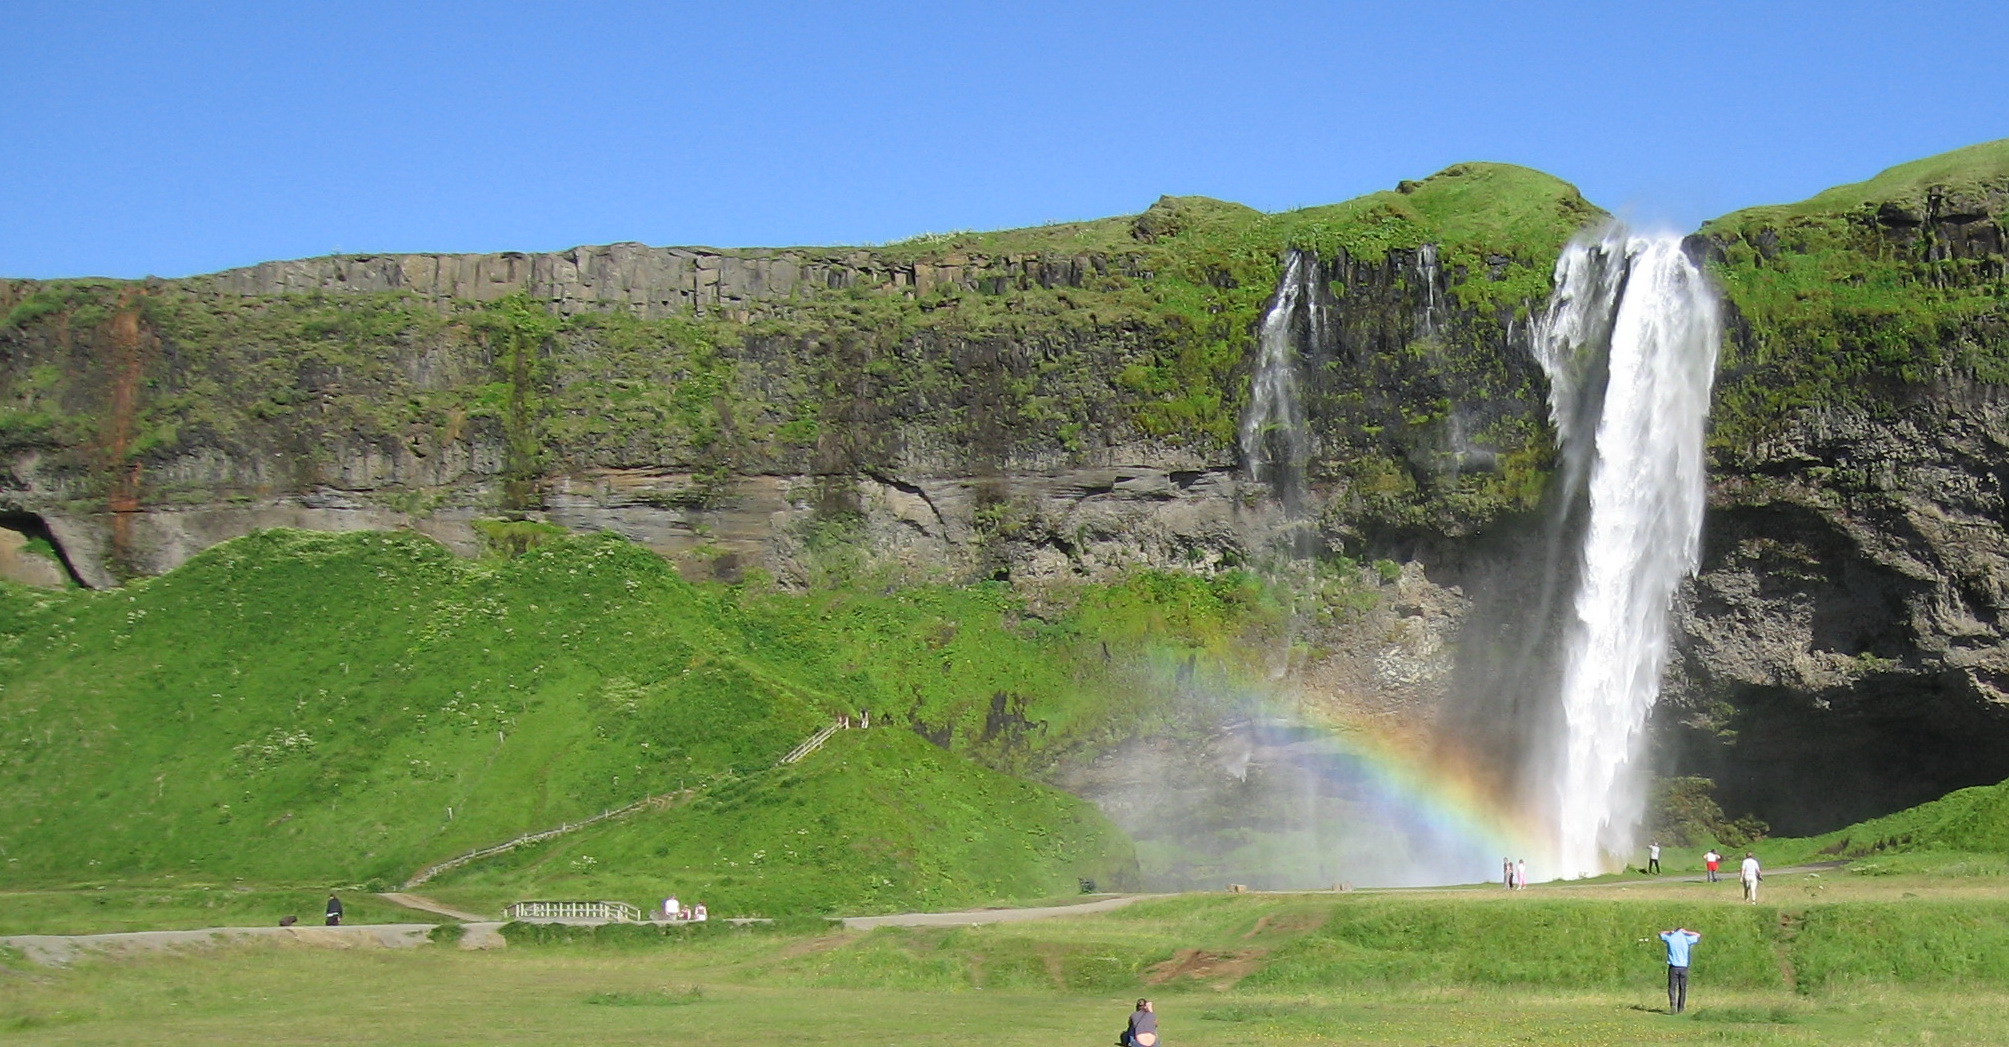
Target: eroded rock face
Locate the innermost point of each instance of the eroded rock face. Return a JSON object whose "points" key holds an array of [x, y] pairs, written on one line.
{"points": [[18, 563], [1842, 652]]}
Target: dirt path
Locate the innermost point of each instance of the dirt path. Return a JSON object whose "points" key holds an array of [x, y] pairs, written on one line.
{"points": [[425, 904], [61, 950]]}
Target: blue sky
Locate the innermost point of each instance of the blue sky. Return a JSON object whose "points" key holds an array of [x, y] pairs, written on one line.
{"points": [[169, 139]]}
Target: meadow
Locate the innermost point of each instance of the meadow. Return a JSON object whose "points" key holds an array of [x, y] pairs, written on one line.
{"points": [[1837, 958]]}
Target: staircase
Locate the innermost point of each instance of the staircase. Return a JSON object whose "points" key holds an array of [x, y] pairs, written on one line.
{"points": [[811, 743]]}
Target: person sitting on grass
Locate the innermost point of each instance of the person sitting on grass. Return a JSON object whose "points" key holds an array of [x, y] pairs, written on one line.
{"points": [[1143, 1028], [1679, 941]]}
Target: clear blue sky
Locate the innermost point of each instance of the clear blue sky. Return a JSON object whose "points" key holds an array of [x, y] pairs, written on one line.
{"points": [[175, 138]]}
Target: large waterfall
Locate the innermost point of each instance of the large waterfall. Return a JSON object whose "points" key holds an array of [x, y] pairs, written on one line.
{"points": [[1629, 344]]}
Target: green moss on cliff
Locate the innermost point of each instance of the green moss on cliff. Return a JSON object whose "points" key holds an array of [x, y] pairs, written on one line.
{"points": [[1864, 290], [969, 352]]}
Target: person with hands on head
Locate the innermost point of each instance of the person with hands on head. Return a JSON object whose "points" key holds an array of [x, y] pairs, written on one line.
{"points": [[1679, 941]]}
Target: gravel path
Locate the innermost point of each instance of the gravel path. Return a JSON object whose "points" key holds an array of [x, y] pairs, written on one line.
{"points": [[61, 950], [425, 904]]}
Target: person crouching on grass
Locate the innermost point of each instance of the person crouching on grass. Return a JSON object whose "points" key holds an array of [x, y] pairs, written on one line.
{"points": [[1143, 1028], [1679, 941]]}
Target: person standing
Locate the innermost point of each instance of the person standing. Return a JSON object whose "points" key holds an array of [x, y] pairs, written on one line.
{"points": [[1507, 873], [1711, 861], [1143, 1028], [1653, 857], [1750, 876], [1521, 874], [334, 911], [670, 909], [1679, 941]]}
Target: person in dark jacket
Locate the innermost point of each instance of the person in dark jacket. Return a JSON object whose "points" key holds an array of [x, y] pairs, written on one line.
{"points": [[334, 911]]}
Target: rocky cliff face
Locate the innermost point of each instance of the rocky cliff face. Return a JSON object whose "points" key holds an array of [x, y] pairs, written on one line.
{"points": [[1843, 652], [1056, 402]]}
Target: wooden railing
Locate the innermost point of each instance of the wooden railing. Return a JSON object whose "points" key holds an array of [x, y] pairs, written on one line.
{"points": [[811, 744], [610, 911]]}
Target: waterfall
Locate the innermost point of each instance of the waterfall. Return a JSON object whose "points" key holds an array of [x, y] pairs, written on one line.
{"points": [[1274, 442], [1629, 344], [1430, 316]]}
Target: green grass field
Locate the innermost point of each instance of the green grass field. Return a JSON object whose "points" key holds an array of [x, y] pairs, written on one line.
{"points": [[1901, 959]]}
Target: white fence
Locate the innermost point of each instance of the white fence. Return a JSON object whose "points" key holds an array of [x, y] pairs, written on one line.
{"points": [[612, 912]]}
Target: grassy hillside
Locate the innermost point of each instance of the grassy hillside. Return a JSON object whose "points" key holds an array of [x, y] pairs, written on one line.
{"points": [[1864, 289], [1967, 830], [879, 820], [302, 708]]}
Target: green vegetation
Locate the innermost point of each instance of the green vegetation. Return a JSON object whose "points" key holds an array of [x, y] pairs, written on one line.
{"points": [[1955, 829], [879, 820], [298, 708], [182, 906], [320, 709], [1864, 290], [1549, 967]]}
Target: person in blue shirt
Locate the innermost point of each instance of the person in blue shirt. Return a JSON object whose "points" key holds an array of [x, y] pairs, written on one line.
{"points": [[1678, 940]]}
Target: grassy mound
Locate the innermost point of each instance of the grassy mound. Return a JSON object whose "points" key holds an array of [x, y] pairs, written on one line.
{"points": [[1973, 821], [302, 708], [878, 820]]}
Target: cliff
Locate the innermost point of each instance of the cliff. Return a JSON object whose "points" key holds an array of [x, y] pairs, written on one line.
{"points": [[1062, 402], [1843, 651]]}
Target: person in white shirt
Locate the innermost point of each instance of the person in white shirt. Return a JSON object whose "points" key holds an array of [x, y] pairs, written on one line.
{"points": [[1710, 861], [1750, 875], [670, 909], [1653, 857]]}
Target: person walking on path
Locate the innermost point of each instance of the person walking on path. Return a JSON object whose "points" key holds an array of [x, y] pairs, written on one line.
{"points": [[334, 911], [1143, 1028], [1653, 857], [1711, 861], [1750, 876], [1679, 941]]}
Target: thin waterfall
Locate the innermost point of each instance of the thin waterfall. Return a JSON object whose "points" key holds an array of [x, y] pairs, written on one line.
{"points": [[1430, 316], [1274, 442], [1629, 343]]}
